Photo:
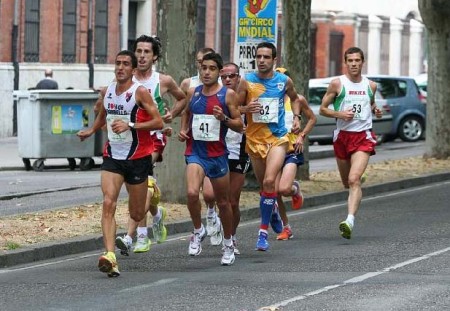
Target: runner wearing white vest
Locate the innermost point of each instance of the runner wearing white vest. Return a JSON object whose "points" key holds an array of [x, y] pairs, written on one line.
{"points": [[354, 142]]}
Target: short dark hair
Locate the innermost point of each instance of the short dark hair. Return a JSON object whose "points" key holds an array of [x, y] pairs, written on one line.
{"points": [[269, 46], [154, 40], [353, 50], [134, 61], [215, 57]]}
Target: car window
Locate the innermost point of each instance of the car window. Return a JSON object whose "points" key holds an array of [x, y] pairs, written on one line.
{"points": [[316, 94], [391, 88]]}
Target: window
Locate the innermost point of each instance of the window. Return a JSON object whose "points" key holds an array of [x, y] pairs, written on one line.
{"points": [[201, 23], [132, 18], [32, 23], [101, 31], [391, 88], [69, 31], [225, 18], [316, 94]]}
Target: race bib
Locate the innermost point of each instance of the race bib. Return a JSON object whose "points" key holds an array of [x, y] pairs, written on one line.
{"points": [[357, 106], [205, 127], [233, 137], [268, 112], [124, 137]]}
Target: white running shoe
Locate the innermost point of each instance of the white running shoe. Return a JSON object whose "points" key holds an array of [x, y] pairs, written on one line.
{"points": [[228, 255], [210, 224], [195, 245], [236, 250], [124, 245], [216, 237]]}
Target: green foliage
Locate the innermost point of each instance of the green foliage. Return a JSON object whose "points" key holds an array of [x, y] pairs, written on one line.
{"points": [[12, 245]]}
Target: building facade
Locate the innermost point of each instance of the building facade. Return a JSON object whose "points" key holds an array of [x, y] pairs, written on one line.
{"points": [[79, 39]]}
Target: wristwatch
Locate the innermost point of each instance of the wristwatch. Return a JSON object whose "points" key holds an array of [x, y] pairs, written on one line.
{"points": [[226, 119], [131, 125]]}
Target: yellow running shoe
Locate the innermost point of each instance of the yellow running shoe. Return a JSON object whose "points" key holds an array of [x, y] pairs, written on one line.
{"points": [[159, 230], [142, 244], [107, 263], [346, 230]]}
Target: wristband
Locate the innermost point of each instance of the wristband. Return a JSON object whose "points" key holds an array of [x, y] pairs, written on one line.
{"points": [[299, 116]]}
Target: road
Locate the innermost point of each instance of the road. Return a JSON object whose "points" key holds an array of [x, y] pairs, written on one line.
{"points": [[57, 188], [397, 260]]}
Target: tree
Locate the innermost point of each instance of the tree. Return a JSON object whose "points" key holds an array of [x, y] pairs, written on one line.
{"points": [[178, 54], [436, 17], [296, 52]]}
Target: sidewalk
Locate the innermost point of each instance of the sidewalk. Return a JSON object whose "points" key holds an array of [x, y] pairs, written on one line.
{"points": [[11, 160]]}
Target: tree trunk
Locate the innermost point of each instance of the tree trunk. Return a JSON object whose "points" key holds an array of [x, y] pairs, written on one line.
{"points": [[436, 17], [177, 30], [296, 52]]}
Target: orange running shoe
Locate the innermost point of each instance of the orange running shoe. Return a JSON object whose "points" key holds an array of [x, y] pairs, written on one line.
{"points": [[297, 198], [286, 234]]}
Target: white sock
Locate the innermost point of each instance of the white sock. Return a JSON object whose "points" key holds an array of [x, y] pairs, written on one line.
{"points": [[296, 189], [157, 217], [199, 231], [142, 231], [227, 242], [351, 220]]}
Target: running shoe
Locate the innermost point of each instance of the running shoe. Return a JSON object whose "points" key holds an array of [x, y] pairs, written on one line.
{"points": [[262, 244], [107, 263], [216, 237], [236, 250], [211, 224], [286, 234], [346, 230], [228, 255], [124, 246], [159, 230], [363, 178], [195, 245], [275, 220], [297, 198], [142, 244]]}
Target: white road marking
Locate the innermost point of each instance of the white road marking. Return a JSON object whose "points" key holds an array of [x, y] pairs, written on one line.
{"points": [[354, 280]]}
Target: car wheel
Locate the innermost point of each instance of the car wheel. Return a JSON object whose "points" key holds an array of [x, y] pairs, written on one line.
{"points": [[410, 129]]}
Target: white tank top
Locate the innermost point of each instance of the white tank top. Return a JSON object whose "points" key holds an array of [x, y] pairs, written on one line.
{"points": [[355, 96]]}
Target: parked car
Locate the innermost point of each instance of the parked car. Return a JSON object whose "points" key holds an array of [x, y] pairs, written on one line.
{"points": [[422, 81], [407, 105], [323, 130]]}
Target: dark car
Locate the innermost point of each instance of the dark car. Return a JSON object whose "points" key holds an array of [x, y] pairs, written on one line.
{"points": [[322, 132], [407, 105]]}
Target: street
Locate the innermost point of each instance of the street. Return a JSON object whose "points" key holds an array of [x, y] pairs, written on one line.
{"points": [[29, 191], [397, 260]]}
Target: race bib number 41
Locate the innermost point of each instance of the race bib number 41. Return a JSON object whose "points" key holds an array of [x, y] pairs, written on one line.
{"points": [[205, 127], [268, 112]]}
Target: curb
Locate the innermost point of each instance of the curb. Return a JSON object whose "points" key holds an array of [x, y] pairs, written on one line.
{"points": [[51, 250]]}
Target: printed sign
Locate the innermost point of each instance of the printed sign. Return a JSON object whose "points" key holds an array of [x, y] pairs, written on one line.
{"points": [[256, 21]]}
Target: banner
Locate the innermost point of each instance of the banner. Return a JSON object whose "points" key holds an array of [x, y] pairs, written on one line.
{"points": [[256, 21]]}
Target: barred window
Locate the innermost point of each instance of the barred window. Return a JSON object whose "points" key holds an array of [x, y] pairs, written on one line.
{"points": [[101, 31], [69, 31], [201, 23], [32, 23]]}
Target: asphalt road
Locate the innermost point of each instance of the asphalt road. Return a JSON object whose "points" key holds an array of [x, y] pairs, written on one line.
{"points": [[397, 260], [29, 191]]}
